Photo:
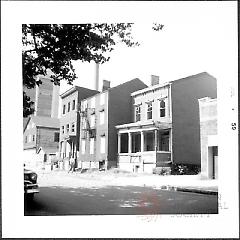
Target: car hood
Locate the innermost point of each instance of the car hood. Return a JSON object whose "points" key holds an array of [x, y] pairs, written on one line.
{"points": [[28, 171]]}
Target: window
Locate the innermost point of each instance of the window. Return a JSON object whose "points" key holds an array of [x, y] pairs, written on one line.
{"points": [[33, 137], [92, 121], [84, 105], [83, 146], [138, 113], [93, 100], [92, 141], [162, 108], [29, 138], [62, 129], [64, 109], [102, 98], [163, 144], [69, 107], [73, 105], [26, 138], [56, 137], [67, 128], [149, 110], [102, 144], [102, 117], [73, 127]]}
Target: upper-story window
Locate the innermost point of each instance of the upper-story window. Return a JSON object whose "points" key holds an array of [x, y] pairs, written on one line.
{"points": [[102, 98], [93, 100], [149, 110], [62, 129], [33, 137], [92, 121], [138, 113], [26, 138], [84, 105], [29, 138], [56, 137], [102, 117], [73, 127], [67, 128], [162, 108], [73, 104], [64, 109], [69, 105]]}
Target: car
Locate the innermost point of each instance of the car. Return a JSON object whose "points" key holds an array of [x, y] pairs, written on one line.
{"points": [[30, 184]]}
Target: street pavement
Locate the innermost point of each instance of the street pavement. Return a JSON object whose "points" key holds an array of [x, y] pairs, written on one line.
{"points": [[108, 194], [118, 200]]}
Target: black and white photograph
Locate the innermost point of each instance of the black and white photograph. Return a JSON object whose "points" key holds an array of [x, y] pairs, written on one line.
{"points": [[119, 119]]}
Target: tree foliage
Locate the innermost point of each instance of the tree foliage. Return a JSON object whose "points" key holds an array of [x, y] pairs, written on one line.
{"points": [[54, 47]]}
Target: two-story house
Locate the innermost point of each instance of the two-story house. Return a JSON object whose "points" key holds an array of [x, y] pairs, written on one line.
{"points": [[41, 129], [70, 120], [99, 116], [165, 127], [40, 140]]}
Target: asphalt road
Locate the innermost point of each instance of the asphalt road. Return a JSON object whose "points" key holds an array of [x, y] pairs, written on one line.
{"points": [[129, 200]]}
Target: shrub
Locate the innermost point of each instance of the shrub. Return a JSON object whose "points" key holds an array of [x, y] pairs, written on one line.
{"points": [[162, 170], [184, 169]]}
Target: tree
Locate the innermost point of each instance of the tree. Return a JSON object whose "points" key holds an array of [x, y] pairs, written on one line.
{"points": [[54, 47]]}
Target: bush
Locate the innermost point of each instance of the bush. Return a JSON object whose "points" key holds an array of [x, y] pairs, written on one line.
{"points": [[162, 170], [184, 169]]}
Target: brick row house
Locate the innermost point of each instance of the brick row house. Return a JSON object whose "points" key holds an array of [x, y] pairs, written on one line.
{"points": [[165, 126], [70, 121]]}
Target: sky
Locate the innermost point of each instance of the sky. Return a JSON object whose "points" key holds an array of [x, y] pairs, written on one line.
{"points": [[194, 41], [197, 36]]}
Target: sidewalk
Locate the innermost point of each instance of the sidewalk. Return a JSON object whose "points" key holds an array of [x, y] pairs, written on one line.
{"points": [[187, 183]]}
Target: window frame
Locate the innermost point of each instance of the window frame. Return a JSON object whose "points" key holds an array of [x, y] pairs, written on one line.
{"points": [[69, 106], [64, 109], [73, 104], [138, 113], [149, 110], [56, 137], [73, 127], [162, 108]]}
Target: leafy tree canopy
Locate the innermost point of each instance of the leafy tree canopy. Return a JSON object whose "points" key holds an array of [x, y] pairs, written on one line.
{"points": [[54, 46]]}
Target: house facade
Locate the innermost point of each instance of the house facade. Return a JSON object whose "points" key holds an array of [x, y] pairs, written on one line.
{"points": [[209, 137], [99, 116], [40, 140], [70, 121], [165, 126]]}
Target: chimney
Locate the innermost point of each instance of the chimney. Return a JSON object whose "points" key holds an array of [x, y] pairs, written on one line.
{"points": [[96, 83], [154, 80], [106, 85]]}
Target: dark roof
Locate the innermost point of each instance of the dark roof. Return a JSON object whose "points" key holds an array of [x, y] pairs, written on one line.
{"points": [[44, 122], [77, 88]]}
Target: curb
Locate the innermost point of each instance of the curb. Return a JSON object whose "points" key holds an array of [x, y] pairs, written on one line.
{"points": [[193, 190]]}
